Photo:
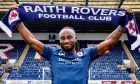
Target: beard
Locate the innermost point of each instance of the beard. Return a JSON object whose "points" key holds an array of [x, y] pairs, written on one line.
{"points": [[69, 49]]}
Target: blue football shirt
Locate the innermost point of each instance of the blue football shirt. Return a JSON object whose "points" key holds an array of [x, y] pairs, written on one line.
{"points": [[69, 68]]}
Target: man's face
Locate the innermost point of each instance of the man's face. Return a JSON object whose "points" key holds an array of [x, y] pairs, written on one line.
{"points": [[67, 41]]}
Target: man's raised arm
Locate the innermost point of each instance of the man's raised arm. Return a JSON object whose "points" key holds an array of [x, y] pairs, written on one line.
{"points": [[29, 38], [111, 40]]}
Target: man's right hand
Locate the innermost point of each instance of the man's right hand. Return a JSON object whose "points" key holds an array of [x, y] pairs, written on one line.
{"points": [[15, 6]]}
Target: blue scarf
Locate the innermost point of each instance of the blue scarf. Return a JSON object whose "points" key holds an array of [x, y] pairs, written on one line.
{"points": [[73, 13]]}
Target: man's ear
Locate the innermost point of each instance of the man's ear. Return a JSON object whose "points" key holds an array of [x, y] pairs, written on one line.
{"points": [[76, 38]]}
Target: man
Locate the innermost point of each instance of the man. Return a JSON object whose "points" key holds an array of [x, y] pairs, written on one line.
{"points": [[70, 64]]}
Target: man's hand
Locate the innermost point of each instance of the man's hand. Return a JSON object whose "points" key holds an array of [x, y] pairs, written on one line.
{"points": [[129, 10], [15, 6]]}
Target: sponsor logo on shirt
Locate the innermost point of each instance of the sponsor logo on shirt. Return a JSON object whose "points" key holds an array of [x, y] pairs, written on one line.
{"points": [[79, 54], [67, 61]]}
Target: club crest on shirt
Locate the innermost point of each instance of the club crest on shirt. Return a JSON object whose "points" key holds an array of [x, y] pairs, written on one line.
{"points": [[79, 54], [13, 16]]}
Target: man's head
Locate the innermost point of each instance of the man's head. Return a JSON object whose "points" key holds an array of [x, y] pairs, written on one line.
{"points": [[68, 39]]}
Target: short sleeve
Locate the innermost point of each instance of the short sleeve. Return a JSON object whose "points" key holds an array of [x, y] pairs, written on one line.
{"points": [[94, 53], [47, 52]]}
